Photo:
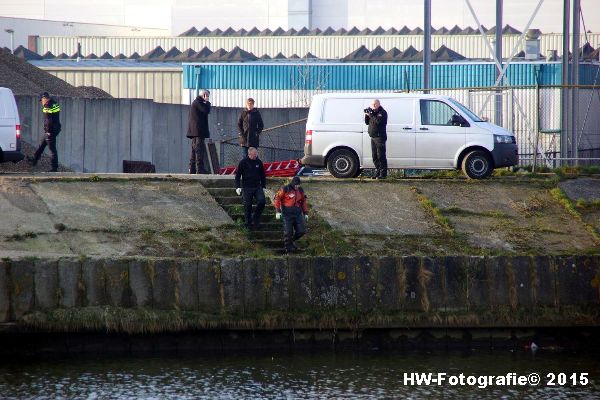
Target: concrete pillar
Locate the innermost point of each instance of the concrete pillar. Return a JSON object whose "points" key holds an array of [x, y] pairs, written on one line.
{"points": [[344, 268], [4, 291], [70, 283], [141, 275], [187, 287], [326, 293], [277, 284], [254, 286], [166, 279], [46, 284], [301, 283], [365, 275], [210, 293], [232, 285], [391, 284], [118, 292], [94, 281], [21, 274]]}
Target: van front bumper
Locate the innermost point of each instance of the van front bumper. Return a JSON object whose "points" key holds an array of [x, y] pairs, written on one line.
{"points": [[505, 155], [14, 156], [313, 161]]}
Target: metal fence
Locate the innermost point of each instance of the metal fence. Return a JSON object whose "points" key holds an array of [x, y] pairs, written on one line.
{"points": [[277, 143], [533, 113]]}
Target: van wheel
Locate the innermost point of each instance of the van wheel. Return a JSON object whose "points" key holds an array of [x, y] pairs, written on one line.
{"points": [[477, 165], [342, 163]]}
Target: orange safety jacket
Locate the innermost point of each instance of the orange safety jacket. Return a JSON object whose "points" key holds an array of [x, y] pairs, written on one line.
{"points": [[288, 197]]}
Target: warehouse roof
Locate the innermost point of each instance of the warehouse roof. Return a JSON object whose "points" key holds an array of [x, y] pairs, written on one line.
{"points": [[456, 30]]}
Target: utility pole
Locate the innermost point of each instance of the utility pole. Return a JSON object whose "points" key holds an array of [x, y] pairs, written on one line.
{"points": [[12, 39], [564, 97], [499, 11], [427, 46], [575, 82]]}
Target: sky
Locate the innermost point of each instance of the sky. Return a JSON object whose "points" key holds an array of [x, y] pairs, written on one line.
{"points": [[179, 15]]}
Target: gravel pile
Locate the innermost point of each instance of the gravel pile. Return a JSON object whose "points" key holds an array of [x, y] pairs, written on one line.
{"points": [[25, 79], [23, 166]]}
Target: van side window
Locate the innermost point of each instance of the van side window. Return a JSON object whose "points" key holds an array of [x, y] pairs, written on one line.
{"points": [[434, 112]]}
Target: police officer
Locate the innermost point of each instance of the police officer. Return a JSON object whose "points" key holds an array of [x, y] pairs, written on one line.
{"points": [[51, 111], [290, 202], [251, 172], [376, 118]]}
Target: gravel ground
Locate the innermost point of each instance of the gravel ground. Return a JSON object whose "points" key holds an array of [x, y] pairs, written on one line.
{"points": [[23, 166], [25, 79]]}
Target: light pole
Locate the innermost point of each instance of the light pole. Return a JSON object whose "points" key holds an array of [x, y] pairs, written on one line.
{"points": [[12, 39]]}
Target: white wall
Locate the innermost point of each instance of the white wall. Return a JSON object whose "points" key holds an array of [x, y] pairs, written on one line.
{"points": [[24, 27], [141, 13], [233, 13], [180, 15]]}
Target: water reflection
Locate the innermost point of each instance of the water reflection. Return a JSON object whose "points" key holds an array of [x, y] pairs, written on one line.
{"points": [[285, 376]]}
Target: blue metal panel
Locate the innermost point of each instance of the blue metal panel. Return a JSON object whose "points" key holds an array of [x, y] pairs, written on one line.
{"points": [[371, 77]]}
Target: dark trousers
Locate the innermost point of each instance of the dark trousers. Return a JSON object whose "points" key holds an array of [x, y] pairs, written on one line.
{"points": [[293, 225], [50, 141], [248, 195], [378, 154], [198, 156]]}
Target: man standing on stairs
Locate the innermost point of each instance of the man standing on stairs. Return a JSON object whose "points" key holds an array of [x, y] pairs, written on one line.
{"points": [[290, 202], [251, 172]]}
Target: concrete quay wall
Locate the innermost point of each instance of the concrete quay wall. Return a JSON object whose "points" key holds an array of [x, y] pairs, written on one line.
{"points": [[135, 295]]}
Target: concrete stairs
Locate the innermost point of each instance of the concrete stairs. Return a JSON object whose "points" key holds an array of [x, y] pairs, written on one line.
{"points": [[268, 235]]}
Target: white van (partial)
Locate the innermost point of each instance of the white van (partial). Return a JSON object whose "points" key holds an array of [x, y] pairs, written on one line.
{"points": [[423, 132], [10, 127]]}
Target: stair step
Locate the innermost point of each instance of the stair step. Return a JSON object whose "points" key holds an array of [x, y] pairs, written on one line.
{"points": [[222, 192], [273, 243], [257, 234], [225, 201], [238, 209], [221, 182]]}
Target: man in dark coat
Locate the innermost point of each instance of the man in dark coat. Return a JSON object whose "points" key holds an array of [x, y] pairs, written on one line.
{"points": [[250, 125], [52, 126], [376, 118], [198, 131], [251, 172]]}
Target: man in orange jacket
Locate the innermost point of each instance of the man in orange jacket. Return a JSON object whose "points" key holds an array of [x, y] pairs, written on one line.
{"points": [[290, 201]]}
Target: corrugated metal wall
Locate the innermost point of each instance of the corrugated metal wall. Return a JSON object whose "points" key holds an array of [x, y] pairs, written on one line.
{"points": [[470, 46], [162, 86], [367, 76]]}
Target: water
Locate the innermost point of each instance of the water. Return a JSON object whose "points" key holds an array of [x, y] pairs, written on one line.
{"points": [[289, 376]]}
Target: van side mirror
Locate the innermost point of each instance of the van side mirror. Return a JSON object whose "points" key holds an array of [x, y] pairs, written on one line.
{"points": [[459, 120]]}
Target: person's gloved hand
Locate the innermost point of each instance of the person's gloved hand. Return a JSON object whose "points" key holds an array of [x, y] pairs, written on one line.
{"points": [[238, 191], [278, 215], [306, 217]]}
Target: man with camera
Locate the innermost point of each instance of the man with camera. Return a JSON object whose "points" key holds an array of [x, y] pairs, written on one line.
{"points": [[376, 118]]}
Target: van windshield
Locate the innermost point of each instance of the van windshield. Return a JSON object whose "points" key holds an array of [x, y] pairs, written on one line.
{"points": [[465, 110]]}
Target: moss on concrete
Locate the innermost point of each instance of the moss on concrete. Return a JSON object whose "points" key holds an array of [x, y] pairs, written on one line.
{"points": [[142, 320]]}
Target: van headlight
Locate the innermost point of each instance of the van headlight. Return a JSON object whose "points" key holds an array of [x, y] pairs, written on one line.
{"points": [[508, 139]]}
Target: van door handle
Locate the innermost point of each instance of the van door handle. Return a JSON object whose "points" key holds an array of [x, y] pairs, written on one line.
{"points": [[407, 128], [424, 129]]}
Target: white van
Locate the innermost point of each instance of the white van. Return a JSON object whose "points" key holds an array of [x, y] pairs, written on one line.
{"points": [[10, 127], [423, 132]]}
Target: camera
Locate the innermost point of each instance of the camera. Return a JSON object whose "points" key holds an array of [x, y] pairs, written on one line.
{"points": [[368, 110]]}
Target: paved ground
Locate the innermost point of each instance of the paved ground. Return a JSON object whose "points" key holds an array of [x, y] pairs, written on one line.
{"points": [[174, 215]]}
